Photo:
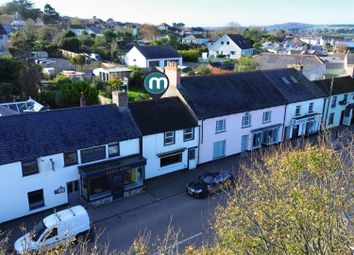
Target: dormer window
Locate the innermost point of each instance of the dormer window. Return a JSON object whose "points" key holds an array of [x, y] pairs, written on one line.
{"points": [[285, 80]]}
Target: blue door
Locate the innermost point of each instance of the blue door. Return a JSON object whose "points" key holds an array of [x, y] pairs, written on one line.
{"points": [[219, 149]]}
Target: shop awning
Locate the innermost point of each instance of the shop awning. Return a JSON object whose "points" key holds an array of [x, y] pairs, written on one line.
{"points": [[266, 128], [109, 167], [171, 152]]}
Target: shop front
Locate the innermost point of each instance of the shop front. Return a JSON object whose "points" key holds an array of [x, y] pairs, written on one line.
{"points": [[304, 125], [265, 136], [108, 180]]}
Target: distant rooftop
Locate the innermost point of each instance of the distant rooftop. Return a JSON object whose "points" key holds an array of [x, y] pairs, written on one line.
{"points": [[21, 107]]}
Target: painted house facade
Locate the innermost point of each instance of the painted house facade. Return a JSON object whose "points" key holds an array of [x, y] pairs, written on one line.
{"points": [[305, 101], [152, 56], [236, 112], [232, 46], [170, 135], [88, 155], [339, 101]]}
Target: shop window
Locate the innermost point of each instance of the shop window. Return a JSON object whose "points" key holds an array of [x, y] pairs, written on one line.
{"points": [[220, 126], [271, 136], [35, 199], [246, 120], [29, 167], [100, 187], [169, 138], [133, 178], [113, 150], [331, 118], [70, 158], [257, 140], [171, 159], [93, 154], [267, 117], [188, 134]]}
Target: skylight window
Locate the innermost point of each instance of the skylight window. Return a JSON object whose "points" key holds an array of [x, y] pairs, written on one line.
{"points": [[285, 80], [293, 79]]}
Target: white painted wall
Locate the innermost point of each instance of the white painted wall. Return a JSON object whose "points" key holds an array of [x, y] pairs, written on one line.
{"points": [[234, 131], [154, 145], [291, 109], [337, 110], [135, 58], [14, 186], [317, 73], [225, 49]]}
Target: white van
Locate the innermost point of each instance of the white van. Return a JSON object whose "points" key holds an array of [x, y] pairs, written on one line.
{"points": [[56, 229]]}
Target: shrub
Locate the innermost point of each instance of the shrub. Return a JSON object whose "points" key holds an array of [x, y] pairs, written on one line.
{"points": [[189, 55]]}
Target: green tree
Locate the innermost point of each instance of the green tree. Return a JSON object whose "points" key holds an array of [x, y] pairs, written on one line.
{"points": [[25, 8], [114, 83], [78, 60], [203, 70], [50, 15], [245, 64], [136, 77], [70, 93]]}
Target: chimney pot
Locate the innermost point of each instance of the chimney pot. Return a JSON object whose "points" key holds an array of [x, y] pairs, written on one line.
{"points": [[120, 98]]}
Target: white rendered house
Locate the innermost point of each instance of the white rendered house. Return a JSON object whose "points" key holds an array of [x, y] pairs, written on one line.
{"points": [[152, 56], [170, 135], [232, 46]]}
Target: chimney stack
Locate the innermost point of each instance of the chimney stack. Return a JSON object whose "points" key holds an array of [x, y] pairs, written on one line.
{"points": [[120, 98], [82, 100], [174, 76]]}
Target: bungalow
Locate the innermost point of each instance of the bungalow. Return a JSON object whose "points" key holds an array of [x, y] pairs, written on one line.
{"points": [[339, 102], [88, 155], [170, 135], [196, 39], [236, 112], [106, 73], [152, 56], [232, 46], [311, 66]]}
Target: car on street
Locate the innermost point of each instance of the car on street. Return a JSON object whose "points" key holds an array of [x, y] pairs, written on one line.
{"points": [[55, 230], [209, 183]]}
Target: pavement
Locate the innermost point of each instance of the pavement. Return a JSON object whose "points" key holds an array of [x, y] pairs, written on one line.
{"points": [[164, 202]]}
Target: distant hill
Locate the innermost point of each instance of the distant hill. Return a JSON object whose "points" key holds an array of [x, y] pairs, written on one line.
{"points": [[289, 26]]}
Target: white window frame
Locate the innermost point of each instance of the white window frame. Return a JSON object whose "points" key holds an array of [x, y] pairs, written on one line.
{"points": [[311, 106], [169, 135], [220, 126], [188, 132], [298, 110], [246, 120], [267, 117]]}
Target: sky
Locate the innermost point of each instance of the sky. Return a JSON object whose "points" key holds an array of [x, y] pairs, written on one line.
{"points": [[208, 12]]}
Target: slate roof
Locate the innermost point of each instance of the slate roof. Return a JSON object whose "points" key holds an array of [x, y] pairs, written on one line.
{"points": [[166, 114], [341, 85], [155, 52], [218, 95], [32, 135], [4, 111], [240, 41], [293, 85], [269, 61]]}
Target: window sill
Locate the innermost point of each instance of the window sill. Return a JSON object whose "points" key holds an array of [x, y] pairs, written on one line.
{"points": [[266, 122], [222, 131], [187, 140], [71, 164], [247, 126], [168, 144], [36, 207], [25, 175]]}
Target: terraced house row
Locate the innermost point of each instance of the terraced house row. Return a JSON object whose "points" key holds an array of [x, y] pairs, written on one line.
{"points": [[93, 155]]}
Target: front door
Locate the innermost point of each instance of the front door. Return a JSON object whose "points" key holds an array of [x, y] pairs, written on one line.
{"points": [[73, 192], [117, 186], [295, 131], [244, 143]]}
